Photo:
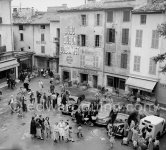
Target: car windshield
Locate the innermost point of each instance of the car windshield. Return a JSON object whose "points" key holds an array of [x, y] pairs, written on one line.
{"points": [[121, 118]]}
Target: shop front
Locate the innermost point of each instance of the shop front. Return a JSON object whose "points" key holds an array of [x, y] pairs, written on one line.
{"points": [[145, 88], [8, 68], [116, 83]]}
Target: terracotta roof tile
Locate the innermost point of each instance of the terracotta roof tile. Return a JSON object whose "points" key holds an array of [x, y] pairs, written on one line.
{"points": [[157, 6]]}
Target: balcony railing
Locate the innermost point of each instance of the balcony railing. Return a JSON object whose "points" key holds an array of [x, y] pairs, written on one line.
{"points": [[2, 49]]}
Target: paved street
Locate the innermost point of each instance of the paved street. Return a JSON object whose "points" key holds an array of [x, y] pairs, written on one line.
{"points": [[15, 131]]}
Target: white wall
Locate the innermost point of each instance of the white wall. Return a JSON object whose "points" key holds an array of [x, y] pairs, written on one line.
{"points": [[5, 26], [37, 38], [146, 52], [28, 37]]}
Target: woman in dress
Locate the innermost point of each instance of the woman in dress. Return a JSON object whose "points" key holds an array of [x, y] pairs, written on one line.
{"points": [[38, 129], [55, 132], [33, 127], [66, 131], [47, 127], [130, 133], [61, 130]]}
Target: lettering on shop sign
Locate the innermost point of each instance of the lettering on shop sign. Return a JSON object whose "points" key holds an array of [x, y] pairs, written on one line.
{"points": [[69, 50], [70, 42], [69, 59], [70, 37]]}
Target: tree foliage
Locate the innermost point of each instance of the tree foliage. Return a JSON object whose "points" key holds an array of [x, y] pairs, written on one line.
{"points": [[161, 57]]}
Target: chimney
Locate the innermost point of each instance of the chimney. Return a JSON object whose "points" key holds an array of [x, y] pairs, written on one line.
{"points": [[90, 1]]}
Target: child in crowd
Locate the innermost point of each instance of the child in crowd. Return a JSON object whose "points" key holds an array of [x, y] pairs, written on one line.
{"points": [[112, 140], [71, 134], [79, 133]]}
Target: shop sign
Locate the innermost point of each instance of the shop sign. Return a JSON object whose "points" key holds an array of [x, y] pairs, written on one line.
{"points": [[69, 59], [68, 49], [86, 71]]}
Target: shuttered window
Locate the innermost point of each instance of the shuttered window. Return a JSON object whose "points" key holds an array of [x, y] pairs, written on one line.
{"points": [[125, 36], [110, 16], [137, 60], [108, 59], [126, 16], [21, 37], [110, 35], [82, 60], [84, 20], [42, 49], [124, 61], [152, 67], [155, 39], [42, 37], [82, 40], [143, 19], [98, 39], [98, 19], [138, 42]]}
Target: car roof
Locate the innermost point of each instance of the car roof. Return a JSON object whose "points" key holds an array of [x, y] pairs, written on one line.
{"points": [[154, 120]]}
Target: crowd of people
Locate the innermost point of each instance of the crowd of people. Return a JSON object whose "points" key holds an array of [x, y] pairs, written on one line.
{"points": [[140, 138], [60, 131]]}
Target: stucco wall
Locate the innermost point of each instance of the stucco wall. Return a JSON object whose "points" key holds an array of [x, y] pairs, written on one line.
{"points": [[37, 40], [28, 37], [71, 61], [146, 52], [118, 48], [5, 26]]}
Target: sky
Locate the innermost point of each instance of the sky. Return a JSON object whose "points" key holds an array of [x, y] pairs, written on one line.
{"points": [[42, 5]]}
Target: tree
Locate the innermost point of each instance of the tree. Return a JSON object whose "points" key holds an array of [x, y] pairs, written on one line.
{"points": [[161, 57]]}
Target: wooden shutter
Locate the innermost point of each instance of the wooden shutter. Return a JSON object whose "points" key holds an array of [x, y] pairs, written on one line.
{"points": [[95, 22], [106, 58], [140, 38], [110, 16], [87, 20], [113, 35], [86, 41], [124, 61], [100, 41], [107, 38], [97, 61], [101, 19], [78, 40]]}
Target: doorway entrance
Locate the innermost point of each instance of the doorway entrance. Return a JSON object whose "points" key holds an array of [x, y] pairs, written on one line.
{"points": [[66, 76], [95, 80], [83, 77]]}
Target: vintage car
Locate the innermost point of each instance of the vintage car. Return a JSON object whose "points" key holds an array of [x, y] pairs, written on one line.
{"points": [[118, 126], [103, 116], [71, 105]]}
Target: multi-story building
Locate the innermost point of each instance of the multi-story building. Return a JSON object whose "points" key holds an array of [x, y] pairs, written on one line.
{"points": [[95, 42], [35, 33], [82, 45], [145, 45], [8, 64]]}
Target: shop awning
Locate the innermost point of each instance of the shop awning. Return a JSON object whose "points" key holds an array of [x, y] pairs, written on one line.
{"points": [[8, 64], [141, 84]]}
